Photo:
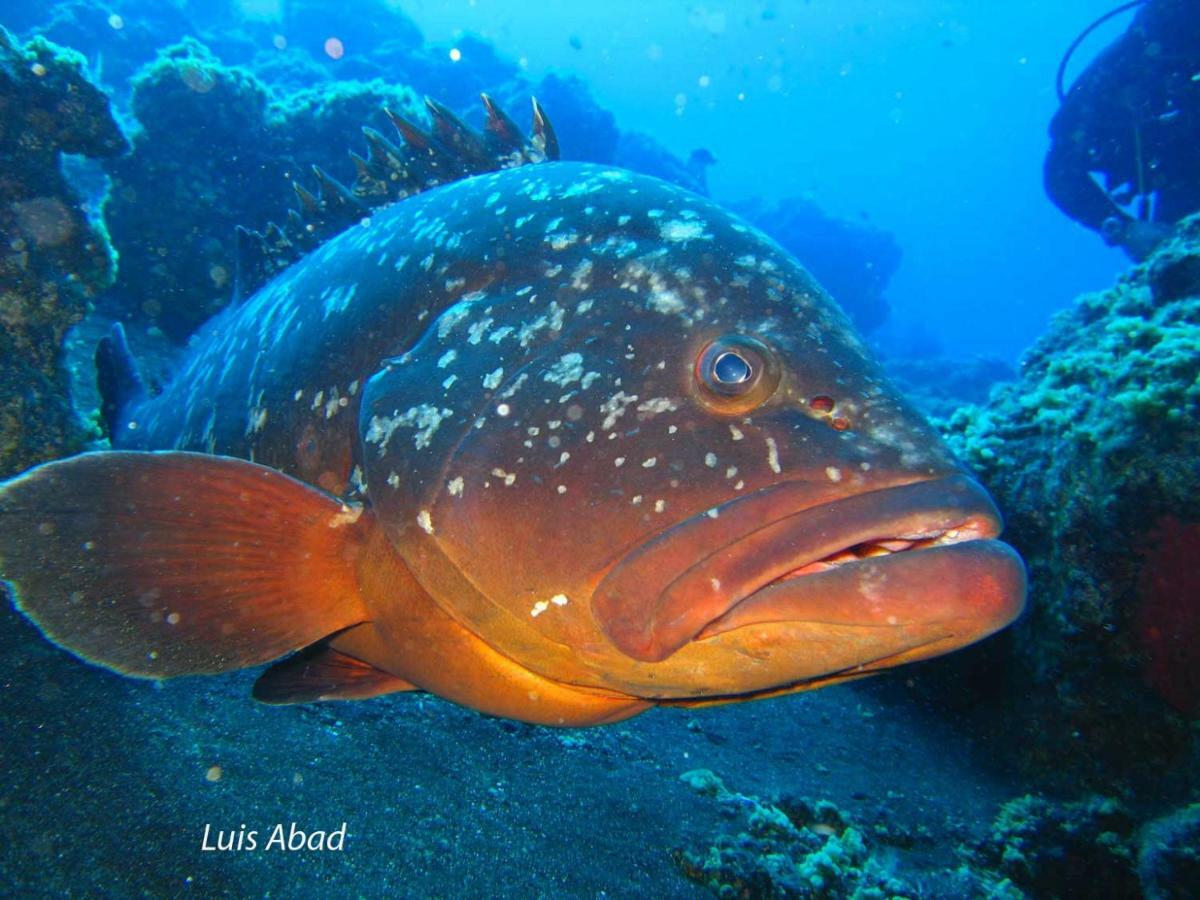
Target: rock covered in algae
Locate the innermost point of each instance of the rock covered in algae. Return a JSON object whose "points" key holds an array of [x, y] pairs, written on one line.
{"points": [[1093, 455], [217, 149], [1169, 856], [200, 165], [1052, 849], [789, 848], [53, 256]]}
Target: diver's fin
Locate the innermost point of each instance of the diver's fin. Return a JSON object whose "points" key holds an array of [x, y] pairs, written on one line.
{"points": [[121, 385], [162, 564], [321, 673]]}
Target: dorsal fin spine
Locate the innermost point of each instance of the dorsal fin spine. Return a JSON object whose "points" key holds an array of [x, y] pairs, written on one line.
{"points": [[447, 152]]}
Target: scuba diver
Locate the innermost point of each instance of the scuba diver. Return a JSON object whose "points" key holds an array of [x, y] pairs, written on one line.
{"points": [[1124, 156]]}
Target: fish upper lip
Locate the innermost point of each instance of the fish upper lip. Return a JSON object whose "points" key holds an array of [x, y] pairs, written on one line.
{"points": [[776, 540]]}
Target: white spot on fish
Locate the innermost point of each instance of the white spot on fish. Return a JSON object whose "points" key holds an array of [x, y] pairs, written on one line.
{"points": [[680, 230], [514, 387], [455, 486], [337, 299], [562, 240], [425, 418], [710, 460], [614, 407], [347, 515], [833, 473], [509, 478], [492, 379], [425, 521], [476, 330], [568, 369], [736, 432], [773, 455], [451, 317], [657, 405]]}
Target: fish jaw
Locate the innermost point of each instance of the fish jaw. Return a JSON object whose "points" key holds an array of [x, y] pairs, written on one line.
{"points": [[911, 571]]}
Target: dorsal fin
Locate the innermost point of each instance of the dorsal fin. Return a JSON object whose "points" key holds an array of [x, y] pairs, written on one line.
{"points": [[450, 150]]}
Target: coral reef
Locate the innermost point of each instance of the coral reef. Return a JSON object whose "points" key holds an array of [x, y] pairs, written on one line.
{"points": [[1055, 850], [116, 40], [53, 257], [173, 211], [1169, 858], [792, 848], [1090, 454]]}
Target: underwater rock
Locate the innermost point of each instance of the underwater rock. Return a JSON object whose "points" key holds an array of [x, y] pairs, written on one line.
{"points": [[792, 848], [173, 212], [1092, 456], [853, 261], [117, 40], [317, 126], [1055, 850], [1169, 857], [53, 257]]}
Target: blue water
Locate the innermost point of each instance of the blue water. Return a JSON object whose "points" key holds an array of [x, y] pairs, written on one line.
{"points": [[926, 118]]}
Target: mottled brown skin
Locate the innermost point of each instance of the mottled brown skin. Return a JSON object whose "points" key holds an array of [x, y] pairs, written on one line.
{"points": [[550, 497]]}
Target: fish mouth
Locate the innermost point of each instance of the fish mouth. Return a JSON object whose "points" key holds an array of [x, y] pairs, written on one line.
{"points": [[917, 562]]}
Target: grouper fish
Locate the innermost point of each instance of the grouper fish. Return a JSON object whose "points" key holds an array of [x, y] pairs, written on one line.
{"points": [[558, 442]]}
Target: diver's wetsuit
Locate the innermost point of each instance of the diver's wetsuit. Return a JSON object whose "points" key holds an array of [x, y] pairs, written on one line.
{"points": [[1133, 117]]}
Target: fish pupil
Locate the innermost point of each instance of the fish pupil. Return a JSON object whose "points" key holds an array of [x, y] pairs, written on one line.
{"points": [[731, 368]]}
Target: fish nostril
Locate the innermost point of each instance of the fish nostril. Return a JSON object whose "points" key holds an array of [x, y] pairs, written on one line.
{"points": [[821, 404], [824, 406]]}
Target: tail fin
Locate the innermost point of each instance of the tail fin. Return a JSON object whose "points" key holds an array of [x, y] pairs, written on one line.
{"points": [[117, 376], [162, 564]]}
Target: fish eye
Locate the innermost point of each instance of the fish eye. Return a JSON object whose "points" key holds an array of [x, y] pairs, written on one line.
{"points": [[732, 368], [736, 373]]}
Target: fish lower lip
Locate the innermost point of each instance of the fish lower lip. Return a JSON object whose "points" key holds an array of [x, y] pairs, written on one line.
{"points": [[965, 590], [662, 596]]}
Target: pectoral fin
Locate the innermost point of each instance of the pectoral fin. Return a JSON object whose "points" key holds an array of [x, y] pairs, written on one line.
{"points": [[322, 673], [162, 564]]}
